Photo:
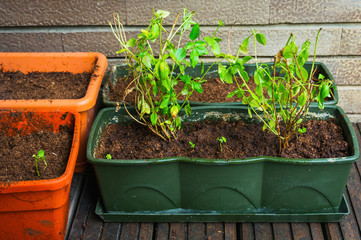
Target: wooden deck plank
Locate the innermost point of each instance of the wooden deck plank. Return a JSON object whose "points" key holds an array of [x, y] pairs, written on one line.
{"points": [[129, 231], [177, 231], [282, 231], [196, 231], [263, 231], [333, 231], [77, 185], [162, 231], [111, 231], [354, 191], [82, 212], [348, 224], [146, 231], [215, 231], [230, 231], [93, 226], [301, 231], [247, 231], [316, 231]]}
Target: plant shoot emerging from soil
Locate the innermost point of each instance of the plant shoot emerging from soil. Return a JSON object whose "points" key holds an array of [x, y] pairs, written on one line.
{"points": [[281, 101], [192, 144], [109, 157], [221, 140], [39, 156], [157, 63]]}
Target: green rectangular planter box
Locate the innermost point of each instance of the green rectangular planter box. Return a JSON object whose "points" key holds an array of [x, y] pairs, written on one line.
{"points": [[121, 71], [258, 185]]}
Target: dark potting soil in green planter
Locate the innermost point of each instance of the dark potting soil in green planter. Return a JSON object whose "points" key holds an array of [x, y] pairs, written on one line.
{"points": [[253, 185], [212, 90]]}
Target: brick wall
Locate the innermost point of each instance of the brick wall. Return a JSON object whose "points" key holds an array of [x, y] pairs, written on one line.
{"points": [[82, 25]]}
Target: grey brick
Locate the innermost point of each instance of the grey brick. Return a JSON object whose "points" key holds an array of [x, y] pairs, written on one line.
{"points": [[139, 12], [54, 12], [296, 11], [350, 44], [342, 11], [321, 11], [346, 71], [30, 42], [349, 99]]}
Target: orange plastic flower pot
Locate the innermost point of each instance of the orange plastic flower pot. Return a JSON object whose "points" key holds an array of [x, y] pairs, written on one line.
{"points": [[61, 62], [37, 209]]}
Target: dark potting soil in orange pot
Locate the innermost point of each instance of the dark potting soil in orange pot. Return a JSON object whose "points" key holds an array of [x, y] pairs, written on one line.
{"points": [[45, 87], [33, 206]]}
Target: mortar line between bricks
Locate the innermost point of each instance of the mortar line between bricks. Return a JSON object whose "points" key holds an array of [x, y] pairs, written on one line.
{"points": [[106, 28]]}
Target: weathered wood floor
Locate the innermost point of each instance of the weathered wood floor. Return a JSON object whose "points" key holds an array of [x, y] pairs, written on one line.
{"points": [[85, 224]]}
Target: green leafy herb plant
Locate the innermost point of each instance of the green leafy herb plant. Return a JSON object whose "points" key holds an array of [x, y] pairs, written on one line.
{"points": [[40, 156], [157, 62], [289, 94], [109, 157]]}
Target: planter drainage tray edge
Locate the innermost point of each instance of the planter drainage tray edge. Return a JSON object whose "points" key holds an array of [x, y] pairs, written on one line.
{"points": [[220, 216]]}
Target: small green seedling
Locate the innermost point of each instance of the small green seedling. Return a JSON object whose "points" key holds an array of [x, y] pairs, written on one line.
{"points": [[38, 157], [192, 144], [221, 140], [109, 156]]}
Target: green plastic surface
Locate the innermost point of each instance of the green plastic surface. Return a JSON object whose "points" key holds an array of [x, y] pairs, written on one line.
{"points": [[251, 185], [183, 215], [120, 71]]}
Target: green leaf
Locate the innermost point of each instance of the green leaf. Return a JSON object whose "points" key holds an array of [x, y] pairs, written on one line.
{"points": [[120, 51], [231, 94], [289, 50], [154, 32], [302, 130], [302, 98], [164, 103], [197, 86], [162, 14], [224, 74], [325, 91], [131, 43], [303, 72], [261, 38], [188, 109], [245, 59], [194, 57], [259, 90], [147, 60], [304, 53], [243, 48], [180, 54], [215, 48], [321, 77], [153, 118], [258, 74], [194, 32]]}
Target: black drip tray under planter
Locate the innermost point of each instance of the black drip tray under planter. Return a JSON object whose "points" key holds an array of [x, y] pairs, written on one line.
{"points": [[185, 215]]}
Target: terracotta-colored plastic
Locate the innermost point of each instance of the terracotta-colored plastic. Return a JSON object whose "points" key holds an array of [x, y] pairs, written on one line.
{"points": [[70, 62], [38, 209]]}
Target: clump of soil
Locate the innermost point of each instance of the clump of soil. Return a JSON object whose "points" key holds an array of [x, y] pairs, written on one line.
{"points": [[43, 85], [323, 139], [17, 163]]}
